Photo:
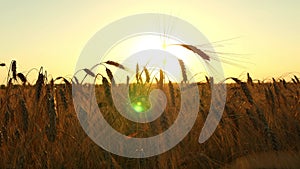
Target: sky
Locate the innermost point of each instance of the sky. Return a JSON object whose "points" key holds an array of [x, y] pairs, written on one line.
{"points": [[52, 34]]}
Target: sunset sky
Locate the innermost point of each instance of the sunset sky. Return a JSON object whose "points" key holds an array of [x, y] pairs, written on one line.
{"points": [[52, 34]]}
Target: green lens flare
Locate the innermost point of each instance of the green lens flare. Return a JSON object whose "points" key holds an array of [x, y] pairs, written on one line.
{"points": [[138, 107], [140, 104]]}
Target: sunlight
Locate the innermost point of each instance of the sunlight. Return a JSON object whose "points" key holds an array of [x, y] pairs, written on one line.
{"points": [[156, 51]]}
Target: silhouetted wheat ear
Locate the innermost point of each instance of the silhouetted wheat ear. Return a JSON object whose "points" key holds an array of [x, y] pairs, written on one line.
{"points": [[147, 75], [115, 64], [51, 128], [22, 78], [294, 81], [297, 79], [87, 71], [271, 98], [183, 70], [63, 98], [161, 79], [76, 80], [110, 76], [247, 92], [249, 79], [106, 89], [196, 50], [14, 69], [38, 85], [140, 78], [24, 112], [284, 83], [207, 80], [2, 64], [172, 92], [236, 80], [252, 118], [268, 132], [137, 72], [157, 81], [276, 88], [245, 89], [127, 80]]}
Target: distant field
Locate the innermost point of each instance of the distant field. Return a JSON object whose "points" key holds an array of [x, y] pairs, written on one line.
{"points": [[40, 129]]}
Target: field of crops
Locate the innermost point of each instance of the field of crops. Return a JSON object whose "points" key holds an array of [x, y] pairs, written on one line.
{"points": [[260, 126]]}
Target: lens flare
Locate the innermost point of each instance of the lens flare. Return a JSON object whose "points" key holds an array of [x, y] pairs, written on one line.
{"points": [[138, 107]]}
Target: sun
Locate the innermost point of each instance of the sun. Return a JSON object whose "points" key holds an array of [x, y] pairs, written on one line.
{"points": [[130, 46]]}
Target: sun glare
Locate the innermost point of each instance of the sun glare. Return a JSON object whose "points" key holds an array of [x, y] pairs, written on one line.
{"points": [[161, 53]]}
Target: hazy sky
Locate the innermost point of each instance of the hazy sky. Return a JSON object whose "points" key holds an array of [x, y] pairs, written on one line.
{"points": [[53, 33]]}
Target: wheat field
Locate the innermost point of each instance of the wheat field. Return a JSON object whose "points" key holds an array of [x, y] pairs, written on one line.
{"points": [[260, 126]]}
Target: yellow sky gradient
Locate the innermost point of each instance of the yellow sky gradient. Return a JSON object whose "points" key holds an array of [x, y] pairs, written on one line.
{"points": [[52, 34]]}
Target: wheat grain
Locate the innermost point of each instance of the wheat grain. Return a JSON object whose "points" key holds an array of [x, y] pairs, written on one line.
{"points": [[196, 50], [268, 132], [51, 127], [63, 98], [39, 84], [22, 78], [161, 79], [172, 93], [14, 69], [245, 89], [107, 89], [110, 76], [297, 79], [89, 72], [127, 80], [137, 73], [24, 112], [115, 64], [249, 79], [147, 75], [183, 70], [247, 92], [252, 118]]}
